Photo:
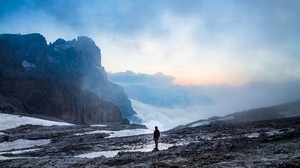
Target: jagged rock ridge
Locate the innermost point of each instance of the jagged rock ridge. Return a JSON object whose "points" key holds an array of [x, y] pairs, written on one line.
{"points": [[64, 79]]}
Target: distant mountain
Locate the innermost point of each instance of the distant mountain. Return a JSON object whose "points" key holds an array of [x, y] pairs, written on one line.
{"points": [[286, 110], [64, 80]]}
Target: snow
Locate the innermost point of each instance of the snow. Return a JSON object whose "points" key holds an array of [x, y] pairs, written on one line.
{"points": [[2, 133], [252, 135], [226, 118], [16, 152], [28, 65], [22, 143], [8, 158], [200, 123], [8, 121], [108, 154], [21, 151], [121, 133], [98, 125], [274, 132]]}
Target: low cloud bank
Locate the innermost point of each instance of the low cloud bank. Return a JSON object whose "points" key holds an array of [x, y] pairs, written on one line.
{"points": [[164, 118], [160, 102]]}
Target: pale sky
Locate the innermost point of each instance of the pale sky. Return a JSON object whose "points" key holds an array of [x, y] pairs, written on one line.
{"points": [[196, 41]]}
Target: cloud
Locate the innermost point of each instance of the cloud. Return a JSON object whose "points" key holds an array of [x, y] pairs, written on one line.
{"points": [[130, 77], [164, 118], [205, 41], [161, 102], [158, 90]]}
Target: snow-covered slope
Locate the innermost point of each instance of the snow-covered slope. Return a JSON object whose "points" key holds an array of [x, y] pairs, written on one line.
{"points": [[120, 133], [8, 121], [266, 113]]}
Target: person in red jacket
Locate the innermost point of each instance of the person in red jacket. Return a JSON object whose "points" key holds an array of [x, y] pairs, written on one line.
{"points": [[156, 135]]}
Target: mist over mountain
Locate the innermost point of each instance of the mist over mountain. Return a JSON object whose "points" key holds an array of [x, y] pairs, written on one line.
{"points": [[64, 80], [159, 94], [158, 90]]}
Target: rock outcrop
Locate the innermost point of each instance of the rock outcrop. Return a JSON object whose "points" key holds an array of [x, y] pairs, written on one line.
{"points": [[64, 80]]}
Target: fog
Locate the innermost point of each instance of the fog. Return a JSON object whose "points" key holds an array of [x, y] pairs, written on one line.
{"points": [[158, 101]]}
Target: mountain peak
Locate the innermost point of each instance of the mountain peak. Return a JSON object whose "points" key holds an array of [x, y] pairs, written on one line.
{"points": [[72, 70]]}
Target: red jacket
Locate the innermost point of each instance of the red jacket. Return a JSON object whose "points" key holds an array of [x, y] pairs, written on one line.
{"points": [[156, 134]]}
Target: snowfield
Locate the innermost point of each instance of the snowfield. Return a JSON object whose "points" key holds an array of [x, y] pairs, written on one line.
{"points": [[8, 121], [22, 143], [112, 153], [121, 133], [98, 125]]}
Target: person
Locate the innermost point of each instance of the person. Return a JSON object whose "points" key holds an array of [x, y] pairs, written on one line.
{"points": [[156, 135]]}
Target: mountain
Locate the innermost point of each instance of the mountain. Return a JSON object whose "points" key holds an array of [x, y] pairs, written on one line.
{"points": [[286, 110], [63, 80]]}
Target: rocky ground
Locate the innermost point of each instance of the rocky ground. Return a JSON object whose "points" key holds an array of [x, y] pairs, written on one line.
{"points": [[273, 143]]}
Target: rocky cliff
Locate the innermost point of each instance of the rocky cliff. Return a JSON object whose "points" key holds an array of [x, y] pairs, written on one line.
{"points": [[64, 79]]}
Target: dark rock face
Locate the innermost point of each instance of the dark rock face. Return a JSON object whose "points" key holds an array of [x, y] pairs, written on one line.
{"points": [[64, 79], [49, 98]]}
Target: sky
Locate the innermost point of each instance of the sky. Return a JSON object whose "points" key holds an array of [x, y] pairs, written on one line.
{"points": [[195, 41]]}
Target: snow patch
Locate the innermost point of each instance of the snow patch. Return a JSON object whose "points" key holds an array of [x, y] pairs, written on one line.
{"points": [[108, 154], [8, 121], [98, 125], [274, 132], [252, 135], [22, 143], [200, 123], [226, 118], [121, 133], [8, 158], [16, 152], [20, 151], [2, 133]]}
